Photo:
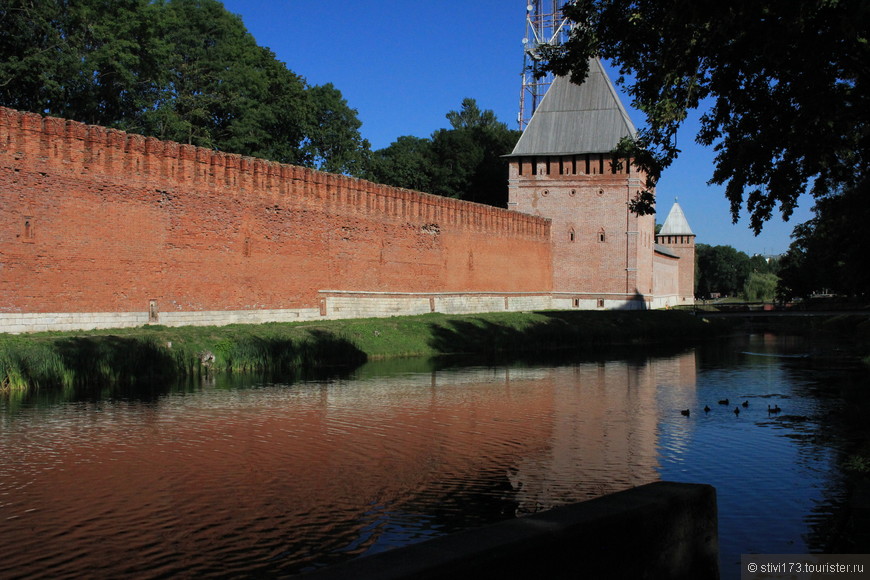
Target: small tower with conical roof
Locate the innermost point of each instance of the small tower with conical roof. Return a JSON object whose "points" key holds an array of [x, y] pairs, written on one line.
{"points": [[677, 238], [562, 168]]}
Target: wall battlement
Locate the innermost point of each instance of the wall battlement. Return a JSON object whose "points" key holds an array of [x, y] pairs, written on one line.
{"points": [[91, 150], [101, 227]]}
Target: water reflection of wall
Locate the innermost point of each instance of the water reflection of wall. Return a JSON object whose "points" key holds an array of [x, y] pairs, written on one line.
{"points": [[307, 468], [561, 433], [604, 430], [677, 384]]}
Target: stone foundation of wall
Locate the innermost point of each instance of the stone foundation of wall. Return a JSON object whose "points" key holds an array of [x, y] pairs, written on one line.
{"points": [[334, 304], [340, 304]]}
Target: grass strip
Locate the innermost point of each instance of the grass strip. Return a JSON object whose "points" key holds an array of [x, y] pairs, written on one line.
{"points": [[64, 360]]}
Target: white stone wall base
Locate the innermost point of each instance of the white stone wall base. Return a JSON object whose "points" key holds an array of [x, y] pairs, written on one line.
{"points": [[337, 305]]}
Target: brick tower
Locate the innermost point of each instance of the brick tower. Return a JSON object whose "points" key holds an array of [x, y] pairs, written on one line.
{"points": [[562, 169], [677, 238]]}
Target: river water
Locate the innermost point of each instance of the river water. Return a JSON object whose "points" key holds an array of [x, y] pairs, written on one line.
{"points": [[258, 479]]}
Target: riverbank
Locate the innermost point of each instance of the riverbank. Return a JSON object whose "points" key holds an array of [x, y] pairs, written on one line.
{"points": [[157, 353]]}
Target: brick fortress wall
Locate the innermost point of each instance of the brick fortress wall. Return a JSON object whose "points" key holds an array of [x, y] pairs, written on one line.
{"points": [[602, 253], [98, 220], [683, 281]]}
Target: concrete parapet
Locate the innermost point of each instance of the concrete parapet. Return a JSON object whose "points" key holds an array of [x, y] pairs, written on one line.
{"points": [[659, 530]]}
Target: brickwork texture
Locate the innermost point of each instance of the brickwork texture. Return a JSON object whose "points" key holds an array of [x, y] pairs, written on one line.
{"points": [[97, 220]]}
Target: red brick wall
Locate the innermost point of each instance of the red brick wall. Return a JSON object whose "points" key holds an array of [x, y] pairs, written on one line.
{"points": [[684, 247], [97, 220], [666, 276], [583, 195]]}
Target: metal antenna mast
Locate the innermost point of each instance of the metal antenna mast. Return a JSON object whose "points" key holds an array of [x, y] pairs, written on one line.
{"points": [[545, 25]]}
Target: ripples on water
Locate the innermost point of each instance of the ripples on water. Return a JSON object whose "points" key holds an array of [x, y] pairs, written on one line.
{"points": [[273, 479]]}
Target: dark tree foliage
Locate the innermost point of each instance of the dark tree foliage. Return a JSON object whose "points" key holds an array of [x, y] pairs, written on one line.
{"points": [[333, 142], [783, 85], [463, 162], [183, 70], [219, 93], [96, 61], [720, 269], [828, 253], [404, 163]]}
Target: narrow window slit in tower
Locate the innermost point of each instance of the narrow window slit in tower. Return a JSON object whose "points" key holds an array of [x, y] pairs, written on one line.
{"points": [[28, 229]]}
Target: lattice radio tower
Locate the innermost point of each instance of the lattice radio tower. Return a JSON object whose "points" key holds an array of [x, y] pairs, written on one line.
{"points": [[545, 25]]}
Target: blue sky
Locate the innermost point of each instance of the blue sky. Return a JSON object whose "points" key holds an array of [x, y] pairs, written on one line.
{"points": [[404, 64]]}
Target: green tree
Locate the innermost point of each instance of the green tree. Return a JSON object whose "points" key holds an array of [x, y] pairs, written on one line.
{"points": [[456, 155], [760, 287], [282, 115], [226, 91], [470, 116], [763, 264], [216, 77], [464, 161], [184, 70], [720, 269], [333, 142], [32, 46], [797, 280], [97, 61], [404, 163], [783, 86]]}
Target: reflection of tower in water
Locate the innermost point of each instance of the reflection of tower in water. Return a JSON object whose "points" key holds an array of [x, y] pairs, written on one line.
{"points": [[604, 424], [677, 390], [560, 434]]}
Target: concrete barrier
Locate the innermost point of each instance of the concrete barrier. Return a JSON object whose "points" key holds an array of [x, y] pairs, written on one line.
{"points": [[660, 530]]}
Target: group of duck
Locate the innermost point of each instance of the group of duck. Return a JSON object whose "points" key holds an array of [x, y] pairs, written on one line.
{"points": [[770, 410]]}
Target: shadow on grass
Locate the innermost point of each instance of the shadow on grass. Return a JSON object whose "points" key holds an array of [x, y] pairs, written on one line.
{"points": [[137, 367], [279, 356], [566, 331], [108, 360]]}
